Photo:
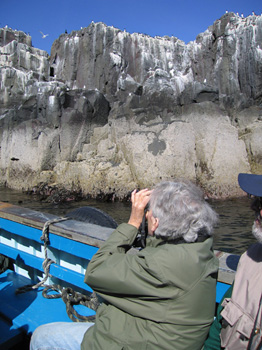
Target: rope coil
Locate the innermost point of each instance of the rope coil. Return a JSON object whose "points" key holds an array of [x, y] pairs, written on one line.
{"points": [[68, 295]]}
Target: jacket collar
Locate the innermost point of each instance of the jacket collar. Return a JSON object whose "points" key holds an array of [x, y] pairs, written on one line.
{"points": [[153, 241]]}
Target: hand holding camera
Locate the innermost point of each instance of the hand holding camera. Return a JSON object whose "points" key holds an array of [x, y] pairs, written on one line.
{"points": [[139, 201]]}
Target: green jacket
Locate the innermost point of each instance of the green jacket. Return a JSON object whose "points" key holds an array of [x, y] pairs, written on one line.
{"points": [[163, 297]]}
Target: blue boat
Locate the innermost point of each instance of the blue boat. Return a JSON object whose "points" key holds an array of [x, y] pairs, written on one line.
{"points": [[32, 241]]}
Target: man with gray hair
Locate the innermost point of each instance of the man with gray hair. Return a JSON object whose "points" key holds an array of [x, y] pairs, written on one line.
{"points": [[162, 297]]}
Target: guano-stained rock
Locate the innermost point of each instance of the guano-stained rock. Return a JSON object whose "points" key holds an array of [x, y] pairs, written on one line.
{"points": [[110, 111]]}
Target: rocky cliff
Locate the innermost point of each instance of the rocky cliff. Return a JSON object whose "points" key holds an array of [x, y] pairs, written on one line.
{"points": [[109, 111]]}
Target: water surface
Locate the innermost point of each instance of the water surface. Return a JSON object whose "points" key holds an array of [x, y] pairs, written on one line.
{"points": [[232, 234]]}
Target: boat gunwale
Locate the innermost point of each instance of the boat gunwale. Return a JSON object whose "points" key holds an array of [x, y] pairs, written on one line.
{"points": [[82, 232]]}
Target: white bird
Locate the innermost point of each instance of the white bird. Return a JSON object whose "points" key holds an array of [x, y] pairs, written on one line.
{"points": [[43, 35]]}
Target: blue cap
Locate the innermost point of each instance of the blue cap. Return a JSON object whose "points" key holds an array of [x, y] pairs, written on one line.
{"points": [[250, 183]]}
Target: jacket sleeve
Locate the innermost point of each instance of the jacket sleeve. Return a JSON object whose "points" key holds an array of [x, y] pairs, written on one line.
{"points": [[113, 272]]}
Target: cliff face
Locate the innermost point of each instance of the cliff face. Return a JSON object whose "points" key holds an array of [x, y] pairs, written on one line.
{"points": [[110, 111]]}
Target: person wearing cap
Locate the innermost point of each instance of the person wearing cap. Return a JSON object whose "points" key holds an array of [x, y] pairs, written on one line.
{"points": [[239, 315]]}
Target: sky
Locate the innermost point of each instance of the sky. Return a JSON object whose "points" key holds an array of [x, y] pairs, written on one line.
{"points": [[184, 19]]}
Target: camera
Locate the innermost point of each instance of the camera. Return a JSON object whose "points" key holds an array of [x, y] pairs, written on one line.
{"points": [[140, 241]]}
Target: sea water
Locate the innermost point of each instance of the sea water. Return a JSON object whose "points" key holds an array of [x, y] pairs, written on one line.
{"points": [[232, 234]]}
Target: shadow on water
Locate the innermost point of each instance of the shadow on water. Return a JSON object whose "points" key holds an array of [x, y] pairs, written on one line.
{"points": [[232, 234]]}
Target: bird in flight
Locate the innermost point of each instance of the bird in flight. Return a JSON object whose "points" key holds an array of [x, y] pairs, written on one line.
{"points": [[44, 35]]}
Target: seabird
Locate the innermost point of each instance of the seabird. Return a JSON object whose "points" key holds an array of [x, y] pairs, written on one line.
{"points": [[43, 35]]}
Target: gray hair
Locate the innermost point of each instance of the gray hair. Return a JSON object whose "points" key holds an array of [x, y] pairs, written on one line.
{"points": [[182, 211]]}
